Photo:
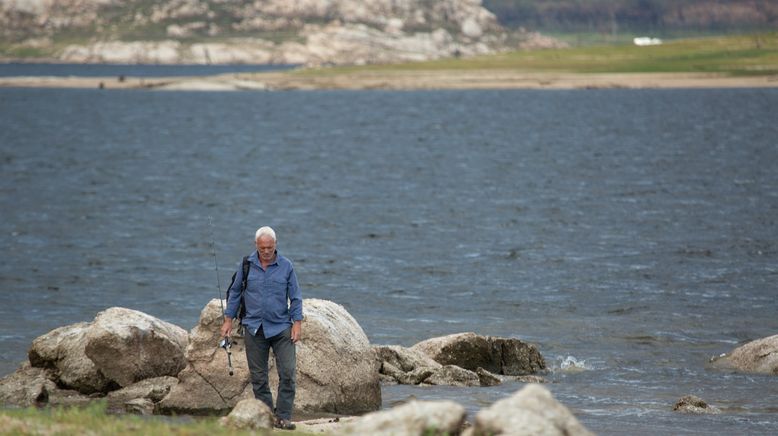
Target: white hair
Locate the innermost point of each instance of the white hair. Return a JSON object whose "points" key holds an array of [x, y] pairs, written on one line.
{"points": [[265, 231]]}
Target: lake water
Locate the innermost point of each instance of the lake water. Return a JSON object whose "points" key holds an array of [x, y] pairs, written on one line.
{"points": [[630, 234]]}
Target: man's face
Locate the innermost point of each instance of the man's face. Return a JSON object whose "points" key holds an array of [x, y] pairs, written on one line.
{"points": [[266, 247]]}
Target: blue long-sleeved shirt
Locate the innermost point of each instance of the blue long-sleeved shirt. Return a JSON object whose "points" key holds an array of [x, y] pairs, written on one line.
{"points": [[273, 299]]}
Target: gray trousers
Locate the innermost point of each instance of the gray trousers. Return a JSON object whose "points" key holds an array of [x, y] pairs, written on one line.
{"points": [[257, 353]]}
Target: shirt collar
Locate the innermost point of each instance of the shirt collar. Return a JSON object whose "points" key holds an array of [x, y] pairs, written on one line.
{"points": [[254, 258]]}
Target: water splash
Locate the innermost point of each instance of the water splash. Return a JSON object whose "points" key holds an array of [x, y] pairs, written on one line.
{"points": [[572, 365]]}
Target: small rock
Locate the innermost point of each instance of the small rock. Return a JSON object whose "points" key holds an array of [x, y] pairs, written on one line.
{"points": [[452, 375], [696, 405], [412, 418], [152, 389], [487, 378], [405, 359], [530, 411], [759, 356], [530, 379], [249, 413], [139, 406], [415, 377], [69, 398], [26, 387]]}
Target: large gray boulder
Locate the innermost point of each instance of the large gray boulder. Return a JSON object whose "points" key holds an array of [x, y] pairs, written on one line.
{"points": [[26, 387], [118, 348], [504, 356], [530, 411], [759, 356], [128, 346], [412, 418], [63, 351], [205, 386], [337, 370]]}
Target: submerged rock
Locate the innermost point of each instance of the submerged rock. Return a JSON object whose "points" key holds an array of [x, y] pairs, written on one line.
{"points": [[412, 418], [694, 404], [471, 351], [530, 411], [759, 356]]}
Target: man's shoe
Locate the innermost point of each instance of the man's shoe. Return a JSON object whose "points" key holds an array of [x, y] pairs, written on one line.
{"points": [[284, 424]]}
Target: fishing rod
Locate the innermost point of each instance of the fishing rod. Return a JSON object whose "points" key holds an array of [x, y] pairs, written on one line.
{"points": [[225, 343]]}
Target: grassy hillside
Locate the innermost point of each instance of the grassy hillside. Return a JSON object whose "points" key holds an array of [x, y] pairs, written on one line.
{"points": [[732, 55]]}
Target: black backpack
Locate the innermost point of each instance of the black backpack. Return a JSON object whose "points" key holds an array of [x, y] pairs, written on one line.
{"points": [[241, 306]]}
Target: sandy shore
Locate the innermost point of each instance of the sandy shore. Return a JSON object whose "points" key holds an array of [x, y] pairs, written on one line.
{"points": [[400, 80]]}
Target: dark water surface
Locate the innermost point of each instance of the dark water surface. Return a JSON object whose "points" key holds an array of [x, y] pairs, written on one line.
{"points": [[630, 234], [12, 69]]}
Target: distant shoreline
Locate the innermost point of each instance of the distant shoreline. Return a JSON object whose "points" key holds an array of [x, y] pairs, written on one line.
{"points": [[400, 80]]}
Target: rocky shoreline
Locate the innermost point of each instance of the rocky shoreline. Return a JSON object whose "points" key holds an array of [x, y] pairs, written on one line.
{"points": [[399, 80], [164, 369]]}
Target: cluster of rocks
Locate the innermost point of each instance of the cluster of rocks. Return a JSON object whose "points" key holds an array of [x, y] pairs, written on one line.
{"points": [[308, 32], [464, 359], [140, 364], [143, 365]]}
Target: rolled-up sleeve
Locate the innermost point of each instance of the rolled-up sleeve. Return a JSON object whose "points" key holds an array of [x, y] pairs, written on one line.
{"points": [[295, 297]]}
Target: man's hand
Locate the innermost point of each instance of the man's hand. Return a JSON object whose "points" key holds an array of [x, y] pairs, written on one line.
{"points": [[296, 330], [226, 327]]}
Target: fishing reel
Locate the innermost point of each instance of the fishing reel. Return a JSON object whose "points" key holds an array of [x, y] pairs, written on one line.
{"points": [[226, 343]]}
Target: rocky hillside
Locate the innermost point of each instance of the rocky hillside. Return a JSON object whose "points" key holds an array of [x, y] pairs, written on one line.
{"points": [[632, 15], [245, 31]]}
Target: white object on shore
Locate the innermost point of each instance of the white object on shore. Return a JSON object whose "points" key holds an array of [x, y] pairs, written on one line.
{"points": [[643, 41]]}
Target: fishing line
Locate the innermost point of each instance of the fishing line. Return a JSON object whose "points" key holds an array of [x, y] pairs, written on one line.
{"points": [[225, 342]]}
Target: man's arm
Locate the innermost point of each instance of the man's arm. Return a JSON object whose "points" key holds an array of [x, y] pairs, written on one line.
{"points": [[295, 306], [232, 303]]}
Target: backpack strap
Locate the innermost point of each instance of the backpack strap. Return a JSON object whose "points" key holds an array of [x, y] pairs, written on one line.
{"points": [[245, 275], [243, 286]]}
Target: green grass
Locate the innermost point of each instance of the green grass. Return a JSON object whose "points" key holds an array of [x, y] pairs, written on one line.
{"points": [[94, 420], [730, 55]]}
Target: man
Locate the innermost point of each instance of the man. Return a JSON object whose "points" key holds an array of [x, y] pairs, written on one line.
{"points": [[274, 313]]}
